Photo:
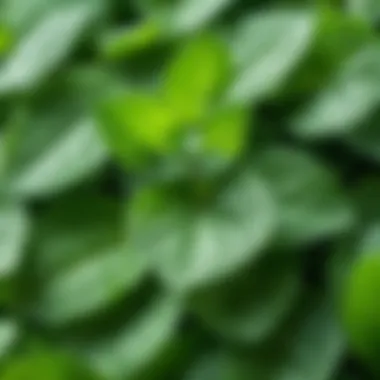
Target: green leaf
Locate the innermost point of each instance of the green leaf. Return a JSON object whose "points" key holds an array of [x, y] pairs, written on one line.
{"points": [[125, 42], [368, 9], [44, 364], [136, 126], [251, 306], [205, 60], [192, 246], [14, 233], [225, 132], [311, 202], [365, 140], [360, 315], [9, 334], [52, 150], [184, 16], [38, 54], [348, 101], [338, 37], [318, 329], [190, 15], [266, 49], [287, 357], [133, 348], [366, 194], [89, 263]]}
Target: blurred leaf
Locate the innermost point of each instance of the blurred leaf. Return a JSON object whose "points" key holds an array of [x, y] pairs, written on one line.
{"points": [[88, 260], [184, 16], [312, 204], [135, 126], [129, 40], [266, 48], [206, 62], [289, 357], [52, 150], [9, 333], [338, 38], [365, 140], [368, 9], [251, 306], [360, 314], [366, 194], [14, 233], [44, 364], [225, 132], [348, 101], [317, 329], [38, 55], [191, 246], [137, 345]]}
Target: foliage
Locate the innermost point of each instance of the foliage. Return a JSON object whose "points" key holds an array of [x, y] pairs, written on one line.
{"points": [[189, 189]]}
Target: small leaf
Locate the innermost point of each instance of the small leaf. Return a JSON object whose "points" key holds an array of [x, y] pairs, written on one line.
{"points": [[125, 42], [205, 60], [136, 126], [183, 16], [9, 333], [266, 48], [192, 247], [14, 233], [226, 132], [190, 15], [360, 312]]}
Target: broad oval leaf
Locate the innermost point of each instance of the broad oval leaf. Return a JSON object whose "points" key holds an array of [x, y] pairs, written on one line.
{"points": [[38, 54], [84, 261], [348, 101], [192, 247], [266, 48], [51, 151], [311, 202]]}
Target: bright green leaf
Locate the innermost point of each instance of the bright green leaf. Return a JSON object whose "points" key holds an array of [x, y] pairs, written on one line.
{"points": [[195, 77], [360, 312]]}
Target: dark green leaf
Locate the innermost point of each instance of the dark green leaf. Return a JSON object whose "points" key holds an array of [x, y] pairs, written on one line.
{"points": [[192, 247], [312, 204]]}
